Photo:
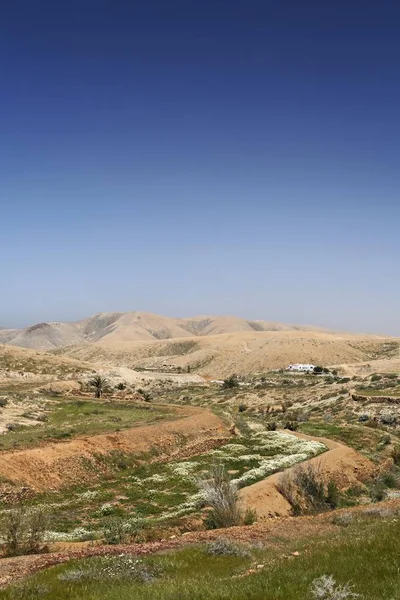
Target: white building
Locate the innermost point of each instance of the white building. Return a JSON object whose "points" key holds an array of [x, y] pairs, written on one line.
{"points": [[301, 368]]}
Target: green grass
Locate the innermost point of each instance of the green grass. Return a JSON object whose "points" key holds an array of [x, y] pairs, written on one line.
{"points": [[69, 418], [391, 391], [361, 438], [364, 554]]}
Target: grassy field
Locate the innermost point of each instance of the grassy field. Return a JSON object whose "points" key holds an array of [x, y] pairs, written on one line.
{"points": [[390, 392], [363, 555], [361, 438], [66, 418]]}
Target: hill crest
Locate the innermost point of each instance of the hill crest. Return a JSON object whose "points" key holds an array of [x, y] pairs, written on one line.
{"points": [[135, 326]]}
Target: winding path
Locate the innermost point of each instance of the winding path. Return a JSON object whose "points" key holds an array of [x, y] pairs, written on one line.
{"points": [[340, 463]]}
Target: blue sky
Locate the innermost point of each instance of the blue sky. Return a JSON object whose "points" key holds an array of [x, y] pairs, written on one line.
{"points": [[201, 158]]}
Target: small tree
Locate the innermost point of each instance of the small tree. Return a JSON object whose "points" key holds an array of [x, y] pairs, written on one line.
{"points": [[99, 384], [231, 382]]}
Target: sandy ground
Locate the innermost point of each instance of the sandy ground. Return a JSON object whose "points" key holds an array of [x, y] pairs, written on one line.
{"points": [[340, 463], [56, 464], [140, 377]]}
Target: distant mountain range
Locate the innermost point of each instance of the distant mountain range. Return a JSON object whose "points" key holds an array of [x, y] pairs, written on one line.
{"points": [[131, 327]]}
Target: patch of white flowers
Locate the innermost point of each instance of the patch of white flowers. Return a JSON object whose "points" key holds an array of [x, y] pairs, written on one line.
{"points": [[243, 458], [192, 503], [89, 495], [289, 444], [233, 448], [184, 468], [267, 467], [156, 478], [78, 534]]}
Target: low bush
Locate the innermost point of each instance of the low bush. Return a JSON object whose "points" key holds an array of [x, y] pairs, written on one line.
{"points": [[291, 425], [388, 419], [118, 530], [389, 480], [343, 519], [24, 530], [326, 588], [395, 454], [376, 377], [272, 426], [249, 517], [377, 491], [363, 418], [224, 547], [332, 494], [305, 490], [221, 495], [145, 395], [384, 441]]}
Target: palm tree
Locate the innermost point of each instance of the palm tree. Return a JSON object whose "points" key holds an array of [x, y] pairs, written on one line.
{"points": [[98, 383]]}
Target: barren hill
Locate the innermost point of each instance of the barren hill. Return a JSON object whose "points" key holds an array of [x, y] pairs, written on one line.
{"points": [[134, 326], [241, 352], [24, 365]]}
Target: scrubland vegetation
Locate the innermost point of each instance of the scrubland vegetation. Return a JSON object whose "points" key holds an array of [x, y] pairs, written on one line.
{"points": [[358, 560], [150, 496]]}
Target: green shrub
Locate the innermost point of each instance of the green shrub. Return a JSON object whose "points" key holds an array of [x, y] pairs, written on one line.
{"points": [[377, 491], [118, 530], [291, 425], [145, 395], [305, 490], [395, 454], [332, 494], [249, 517], [24, 530], [376, 377], [389, 480], [389, 419]]}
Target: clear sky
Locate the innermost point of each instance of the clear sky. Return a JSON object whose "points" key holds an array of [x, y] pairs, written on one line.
{"points": [[210, 157]]}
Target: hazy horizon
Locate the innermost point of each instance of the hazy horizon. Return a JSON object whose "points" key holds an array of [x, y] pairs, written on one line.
{"points": [[216, 158]]}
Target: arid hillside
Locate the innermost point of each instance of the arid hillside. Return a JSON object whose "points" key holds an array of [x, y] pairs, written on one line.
{"points": [[134, 326], [23, 365], [239, 352]]}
